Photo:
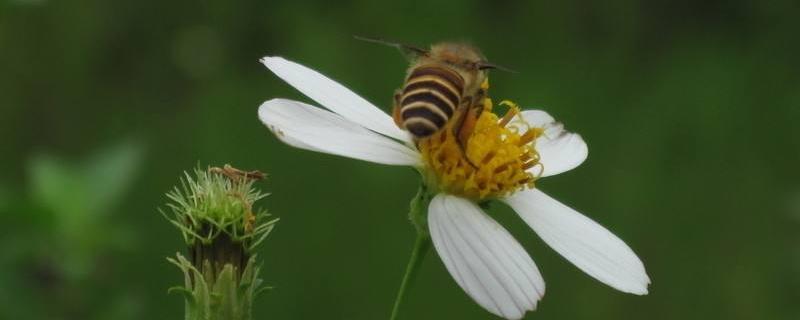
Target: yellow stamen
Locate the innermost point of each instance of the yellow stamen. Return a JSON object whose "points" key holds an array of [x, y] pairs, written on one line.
{"points": [[510, 114], [529, 136], [494, 162]]}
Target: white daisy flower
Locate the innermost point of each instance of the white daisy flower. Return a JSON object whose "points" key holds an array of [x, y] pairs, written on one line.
{"points": [[504, 157]]}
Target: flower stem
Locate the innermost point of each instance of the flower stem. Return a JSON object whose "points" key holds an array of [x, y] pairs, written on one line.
{"points": [[421, 245]]}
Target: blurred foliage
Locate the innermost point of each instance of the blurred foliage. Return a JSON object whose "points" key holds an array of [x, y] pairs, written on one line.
{"points": [[81, 197], [65, 237], [690, 109]]}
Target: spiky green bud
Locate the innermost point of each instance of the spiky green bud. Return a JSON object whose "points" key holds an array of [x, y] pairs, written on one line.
{"points": [[213, 209]]}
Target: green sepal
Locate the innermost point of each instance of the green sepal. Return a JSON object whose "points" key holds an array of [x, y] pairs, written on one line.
{"points": [[226, 295]]}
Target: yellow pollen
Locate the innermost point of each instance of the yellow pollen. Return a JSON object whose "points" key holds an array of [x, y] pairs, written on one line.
{"points": [[496, 160]]}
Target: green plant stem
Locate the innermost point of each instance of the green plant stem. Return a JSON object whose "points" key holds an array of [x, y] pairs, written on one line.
{"points": [[422, 245]]}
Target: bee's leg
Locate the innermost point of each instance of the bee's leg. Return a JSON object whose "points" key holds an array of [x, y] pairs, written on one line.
{"points": [[468, 125], [468, 118], [398, 119]]}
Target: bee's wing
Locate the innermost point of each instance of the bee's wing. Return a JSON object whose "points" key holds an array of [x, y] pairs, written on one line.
{"points": [[409, 51]]}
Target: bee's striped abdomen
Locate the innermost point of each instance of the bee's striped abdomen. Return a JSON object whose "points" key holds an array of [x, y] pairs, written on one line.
{"points": [[430, 97]]}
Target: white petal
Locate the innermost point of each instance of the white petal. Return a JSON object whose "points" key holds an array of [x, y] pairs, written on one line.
{"points": [[308, 127], [483, 258], [537, 118], [334, 96], [585, 243], [559, 149]]}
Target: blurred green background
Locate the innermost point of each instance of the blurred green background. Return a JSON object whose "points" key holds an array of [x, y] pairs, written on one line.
{"points": [[690, 110]]}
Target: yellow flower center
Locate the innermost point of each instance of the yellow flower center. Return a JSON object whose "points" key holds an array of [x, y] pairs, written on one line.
{"points": [[499, 157]]}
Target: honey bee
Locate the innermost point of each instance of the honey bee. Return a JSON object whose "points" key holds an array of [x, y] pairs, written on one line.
{"points": [[442, 84]]}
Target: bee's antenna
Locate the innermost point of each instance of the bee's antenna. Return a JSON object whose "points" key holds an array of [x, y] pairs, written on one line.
{"points": [[486, 65], [405, 48]]}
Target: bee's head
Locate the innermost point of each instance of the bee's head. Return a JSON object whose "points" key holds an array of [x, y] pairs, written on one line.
{"points": [[458, 55], [462, 57]]}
